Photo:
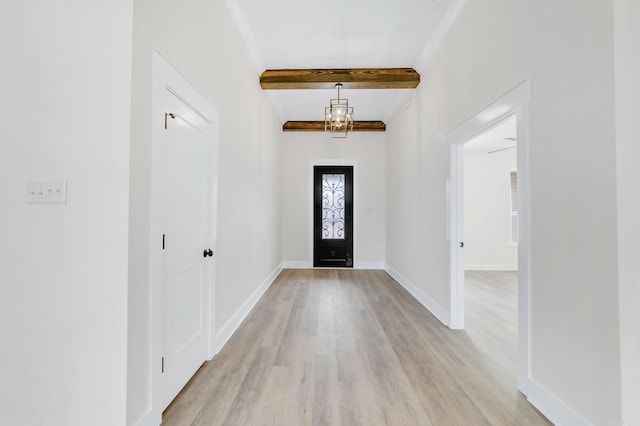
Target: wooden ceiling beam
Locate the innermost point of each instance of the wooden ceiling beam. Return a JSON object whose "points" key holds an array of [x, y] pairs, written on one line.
{"points": [[318, 126], [351, 78]]}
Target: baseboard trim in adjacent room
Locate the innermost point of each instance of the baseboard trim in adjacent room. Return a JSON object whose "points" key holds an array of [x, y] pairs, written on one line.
{"points": [[551, 406], [225, 333], [432, 306], [489, 268]]}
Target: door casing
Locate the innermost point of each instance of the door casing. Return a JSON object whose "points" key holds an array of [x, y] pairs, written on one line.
{"points": [[515, 102]]}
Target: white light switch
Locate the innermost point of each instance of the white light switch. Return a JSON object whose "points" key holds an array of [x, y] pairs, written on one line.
{"points": [[47, 192]]}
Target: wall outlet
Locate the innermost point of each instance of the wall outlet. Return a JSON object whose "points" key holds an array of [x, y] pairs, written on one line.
{"points": [[47, 192]]}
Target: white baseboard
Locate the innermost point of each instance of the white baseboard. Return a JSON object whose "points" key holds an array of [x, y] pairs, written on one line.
{"points": [[551, 406], [432, 306], [147, 419], [489, 268], [297, 264], [223, 335], [304, 264], [369, 265]]}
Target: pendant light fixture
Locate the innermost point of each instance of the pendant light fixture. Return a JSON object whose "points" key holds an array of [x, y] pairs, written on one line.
{"points": [[338, 116]]}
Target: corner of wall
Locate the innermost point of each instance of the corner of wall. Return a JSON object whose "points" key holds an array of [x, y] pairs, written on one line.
{"points": [[226, 331], [550, 405], [432, 306]]}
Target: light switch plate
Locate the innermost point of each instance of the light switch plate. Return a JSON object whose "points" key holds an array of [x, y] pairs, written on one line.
{"points": [[47, 192]]}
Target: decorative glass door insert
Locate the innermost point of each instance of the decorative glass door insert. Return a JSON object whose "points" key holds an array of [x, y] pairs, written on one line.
{"points": [[333, 206]]}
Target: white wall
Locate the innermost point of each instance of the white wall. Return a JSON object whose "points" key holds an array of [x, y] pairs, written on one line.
{"points": [[417, 214], [628, 155], [566, 50], [200, 40], [487, 198], [64, 115], [367, 149]]}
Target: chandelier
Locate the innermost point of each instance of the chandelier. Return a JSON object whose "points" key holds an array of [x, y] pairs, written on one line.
{"points": [[338, 116]]}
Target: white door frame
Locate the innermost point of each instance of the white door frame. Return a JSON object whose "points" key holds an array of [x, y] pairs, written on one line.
{"points": [[166, 78], [514, 102]]}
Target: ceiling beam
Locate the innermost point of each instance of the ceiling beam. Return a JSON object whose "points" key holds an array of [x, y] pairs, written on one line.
{"points": [[318, 126], [351, 78]]}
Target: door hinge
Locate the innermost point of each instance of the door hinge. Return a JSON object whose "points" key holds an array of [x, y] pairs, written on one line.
{"points": [[166, 115], [162, 364], [162, 241]]}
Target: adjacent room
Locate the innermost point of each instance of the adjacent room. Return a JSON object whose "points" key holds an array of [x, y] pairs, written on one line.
{"points": [[491, 244]]}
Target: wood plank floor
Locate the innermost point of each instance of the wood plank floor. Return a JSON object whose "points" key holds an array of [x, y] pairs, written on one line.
{"points": [[491, 321], [345, 347]]}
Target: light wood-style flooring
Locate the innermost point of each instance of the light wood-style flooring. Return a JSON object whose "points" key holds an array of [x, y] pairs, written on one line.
{"points": [[346, 347], [491, 319]]}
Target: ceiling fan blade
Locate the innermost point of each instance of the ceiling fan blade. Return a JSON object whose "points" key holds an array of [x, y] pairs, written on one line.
{"points": [[501, 149]]}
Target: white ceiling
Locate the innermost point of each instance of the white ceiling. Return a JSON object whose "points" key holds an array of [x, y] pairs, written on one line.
{"points": [[341, 34]]}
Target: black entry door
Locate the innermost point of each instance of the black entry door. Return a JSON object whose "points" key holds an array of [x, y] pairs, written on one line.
{"points": [[333, 216]]}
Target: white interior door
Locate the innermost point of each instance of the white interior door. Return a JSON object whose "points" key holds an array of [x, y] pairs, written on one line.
{"points": [[187, 261]]}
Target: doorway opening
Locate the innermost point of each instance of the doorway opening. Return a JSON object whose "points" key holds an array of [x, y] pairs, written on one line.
{"points": [[490, 243], [514, 105]]}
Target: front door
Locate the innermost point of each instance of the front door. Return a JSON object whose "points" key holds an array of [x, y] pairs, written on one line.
{"points": [[333, 216]]}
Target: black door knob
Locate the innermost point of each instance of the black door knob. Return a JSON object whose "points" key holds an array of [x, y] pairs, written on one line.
{"points": [[208, 252]]}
